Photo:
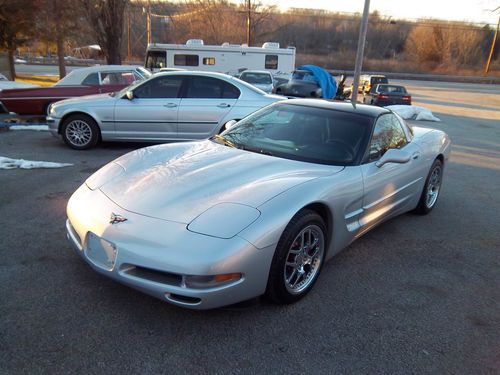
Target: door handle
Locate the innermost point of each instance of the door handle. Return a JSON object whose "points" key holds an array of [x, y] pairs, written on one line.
{"points": [[415, 155], [170, 105], [223, 105]]}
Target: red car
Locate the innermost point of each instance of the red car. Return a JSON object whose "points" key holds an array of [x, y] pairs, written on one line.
{"points": [[80, 82]]}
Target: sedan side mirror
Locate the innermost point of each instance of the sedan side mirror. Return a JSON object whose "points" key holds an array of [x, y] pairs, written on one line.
{"points": [[394, 155], [130, 95], [230, 124]]}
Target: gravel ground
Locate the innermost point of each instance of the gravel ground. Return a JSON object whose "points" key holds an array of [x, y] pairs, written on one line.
{"points": [[415, 295]]}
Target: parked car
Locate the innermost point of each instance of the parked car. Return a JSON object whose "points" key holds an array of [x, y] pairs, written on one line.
{"points": [[79, 82], [367, 81], [302, 84], [5, 84], [255, 210], [261, 79], [182, 105], [383, 95], [309, 81]]}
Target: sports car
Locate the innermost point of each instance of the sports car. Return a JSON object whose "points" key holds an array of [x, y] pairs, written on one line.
{"points": [[258, 209]]}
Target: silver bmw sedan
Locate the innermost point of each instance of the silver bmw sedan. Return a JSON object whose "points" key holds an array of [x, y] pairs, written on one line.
{"points": [[182, 105]]}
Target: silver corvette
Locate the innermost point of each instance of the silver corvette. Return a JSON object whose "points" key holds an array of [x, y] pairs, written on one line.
{"points": [[258, 209]]}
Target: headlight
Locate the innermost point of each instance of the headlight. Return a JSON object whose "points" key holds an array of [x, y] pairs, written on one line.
{"points": [[51, 110], [224, 220]]}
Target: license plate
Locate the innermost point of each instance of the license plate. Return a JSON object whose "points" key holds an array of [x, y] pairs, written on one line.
{"points": [[100, 251]]}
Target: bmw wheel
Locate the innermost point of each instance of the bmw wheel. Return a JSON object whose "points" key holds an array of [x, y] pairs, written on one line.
{"points": [[432, 188], [298, 258], [80, 132]]}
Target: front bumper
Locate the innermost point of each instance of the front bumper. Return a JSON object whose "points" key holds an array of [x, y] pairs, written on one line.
{"points": [[155, 256], [53, 124]]}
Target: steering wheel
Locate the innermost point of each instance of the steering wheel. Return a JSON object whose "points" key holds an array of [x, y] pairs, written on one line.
{"points": [[344, 145]]}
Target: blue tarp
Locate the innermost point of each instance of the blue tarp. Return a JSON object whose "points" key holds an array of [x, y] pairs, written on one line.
{"points": [[326, 82]]}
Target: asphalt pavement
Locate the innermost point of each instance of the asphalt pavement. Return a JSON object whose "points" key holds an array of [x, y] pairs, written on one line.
{"points": [[416, 295]]}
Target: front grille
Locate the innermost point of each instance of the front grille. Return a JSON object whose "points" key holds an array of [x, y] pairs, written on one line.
{"points": [[153, 275]]}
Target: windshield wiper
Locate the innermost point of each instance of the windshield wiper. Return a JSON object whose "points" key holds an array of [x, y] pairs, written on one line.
{"points": [[257, 150], [225, 141]]}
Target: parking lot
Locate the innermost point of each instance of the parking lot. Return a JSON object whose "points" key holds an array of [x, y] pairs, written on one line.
{"points": [[415, 295]]}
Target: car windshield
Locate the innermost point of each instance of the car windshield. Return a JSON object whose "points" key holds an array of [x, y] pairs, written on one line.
{"points": [[303, 133], [391, 89], [304, 76], [256, 78]]}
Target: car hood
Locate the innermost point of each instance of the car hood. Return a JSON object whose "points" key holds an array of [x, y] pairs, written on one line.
{"points": [[87, 99], [178, 182]]}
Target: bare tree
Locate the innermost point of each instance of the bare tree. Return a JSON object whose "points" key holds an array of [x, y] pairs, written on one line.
{"points": [[16, 17], [106, 17]]}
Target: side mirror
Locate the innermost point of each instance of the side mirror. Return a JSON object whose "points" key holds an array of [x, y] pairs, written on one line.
{"points": [[130, 95], [230, 124], [394, 155]]}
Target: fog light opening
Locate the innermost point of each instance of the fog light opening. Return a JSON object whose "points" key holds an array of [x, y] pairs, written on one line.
{"points": [[202, 282]]}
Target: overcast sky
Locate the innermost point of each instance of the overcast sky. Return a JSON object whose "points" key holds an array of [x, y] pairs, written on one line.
{"points": [[478, 11]]}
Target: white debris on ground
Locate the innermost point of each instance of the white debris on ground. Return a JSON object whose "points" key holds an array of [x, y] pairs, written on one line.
{"points": [[30, 127], [7, 163], [413, 112]]}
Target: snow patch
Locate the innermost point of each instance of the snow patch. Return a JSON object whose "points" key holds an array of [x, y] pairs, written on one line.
{"points": [[413, 112], [7, 163], [38, 128]]}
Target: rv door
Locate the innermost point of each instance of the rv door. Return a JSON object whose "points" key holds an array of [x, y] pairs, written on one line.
{"points": [[155, 60]]}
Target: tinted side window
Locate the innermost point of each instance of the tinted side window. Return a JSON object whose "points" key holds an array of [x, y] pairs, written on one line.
{"points": [[211, 88], [387, 134], [91, 80], [271, 62], [161, 87]]}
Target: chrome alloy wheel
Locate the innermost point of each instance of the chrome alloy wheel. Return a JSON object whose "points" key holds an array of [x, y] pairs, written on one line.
{"points": [[304, 258], [433, 186], [78, 132]]}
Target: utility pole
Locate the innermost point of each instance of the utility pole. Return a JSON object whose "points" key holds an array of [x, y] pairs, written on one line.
{"points": [[129, 38], [492, 47], [148, 22], [249, 21], [359, 54]]}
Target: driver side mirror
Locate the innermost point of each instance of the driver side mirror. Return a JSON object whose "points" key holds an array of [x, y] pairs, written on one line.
{"points": [[130, 95], [394, 155], [230, 124]]}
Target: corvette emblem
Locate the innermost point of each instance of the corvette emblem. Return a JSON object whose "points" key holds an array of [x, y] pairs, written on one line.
{"points": [[114, 218]]}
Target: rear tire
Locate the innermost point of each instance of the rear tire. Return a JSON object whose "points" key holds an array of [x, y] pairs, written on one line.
{"points": [[80, 132], [432, 187], [298, 258]]}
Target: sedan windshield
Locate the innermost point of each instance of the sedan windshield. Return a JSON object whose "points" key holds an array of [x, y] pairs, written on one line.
{"points": [[303, 133]]}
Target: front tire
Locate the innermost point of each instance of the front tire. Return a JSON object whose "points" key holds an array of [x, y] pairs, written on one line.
{"points": [[80, 132], [298, 259], [431, 190]]}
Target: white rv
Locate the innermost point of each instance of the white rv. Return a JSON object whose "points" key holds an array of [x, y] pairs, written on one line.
{"points": [[227, 58]]}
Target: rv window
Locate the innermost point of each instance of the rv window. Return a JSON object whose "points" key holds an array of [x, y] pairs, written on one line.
{"points": [[156, 60], [209, 61], [271, 62], [186, 60]]}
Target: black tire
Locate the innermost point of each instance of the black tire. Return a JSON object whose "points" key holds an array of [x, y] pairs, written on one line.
{"points": [[80, 132], [286, 261], [432, 187]]}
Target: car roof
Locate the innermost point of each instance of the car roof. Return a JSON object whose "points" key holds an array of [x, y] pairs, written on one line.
{"points": [[362, 109], [76, 76], [256, 71]]}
